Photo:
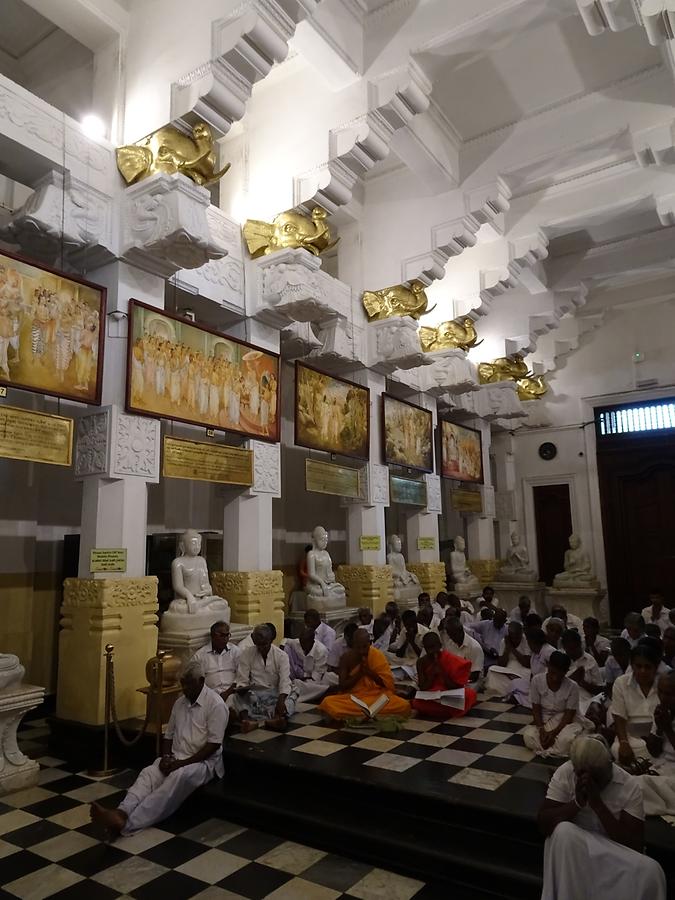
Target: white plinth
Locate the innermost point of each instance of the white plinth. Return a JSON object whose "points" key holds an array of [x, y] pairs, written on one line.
{"points": [[301, 601], [581, 602], [183, 635], [336, 618], [510, 592], [466, 590], [406, 597], [17, 771]]}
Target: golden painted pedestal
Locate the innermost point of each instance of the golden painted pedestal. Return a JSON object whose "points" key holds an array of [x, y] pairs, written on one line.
{"points": [[431, 576], [254, 597], [96, 612], [485, 570], [371, 586]]}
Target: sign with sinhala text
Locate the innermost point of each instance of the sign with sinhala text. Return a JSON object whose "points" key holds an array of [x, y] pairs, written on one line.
{"points": [[467, 501], [327, 478], [369, 542], [199, 461], [426, 543], [36, 437], [107, 560]]}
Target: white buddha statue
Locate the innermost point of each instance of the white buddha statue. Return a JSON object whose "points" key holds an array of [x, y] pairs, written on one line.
{"points": [[190, 580], [323, 591], [578, 572], [462, 576], [517, 566], [11, 670], [406, 584]]}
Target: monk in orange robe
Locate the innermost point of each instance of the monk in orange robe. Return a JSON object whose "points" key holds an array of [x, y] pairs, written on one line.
{"points": [[365, 673], [439, 670]]}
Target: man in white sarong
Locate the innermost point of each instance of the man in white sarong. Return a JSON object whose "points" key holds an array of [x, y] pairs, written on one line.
{"points": [[191, 755], [594, 822], [308, 660]]}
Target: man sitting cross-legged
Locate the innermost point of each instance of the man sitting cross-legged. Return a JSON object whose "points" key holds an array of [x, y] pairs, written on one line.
{"points": [[191, 755], [439, 670], [363, 673], [264, 693], [220, 659]]}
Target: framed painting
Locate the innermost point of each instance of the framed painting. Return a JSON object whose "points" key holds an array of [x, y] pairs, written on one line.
{"points": [[331, 414], [51, 331], [407, 434], [461, 453], [185, 372]]}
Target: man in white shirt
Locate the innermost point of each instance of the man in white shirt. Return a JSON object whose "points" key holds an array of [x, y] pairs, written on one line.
{"points": [[408, 647], [322, 632], [569, 620], [656, 612], [634, 628], [593, 642], [308, 659], [490, 633], [583, 670], [219, 659], [365, 617], [521, 612], [191, 755], [263, 696], [593, 819], [341, 645], [248, 640], [456, 641]]}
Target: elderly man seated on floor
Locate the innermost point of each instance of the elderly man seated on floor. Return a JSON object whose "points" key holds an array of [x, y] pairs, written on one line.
{"points": [[263, 697], [220, 660], [593, 819], [365, 685], [308, 659], [191, 755]]}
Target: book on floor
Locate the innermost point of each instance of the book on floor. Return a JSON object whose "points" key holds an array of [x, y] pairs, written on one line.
{"points": [[372, 710], [456, 698]]}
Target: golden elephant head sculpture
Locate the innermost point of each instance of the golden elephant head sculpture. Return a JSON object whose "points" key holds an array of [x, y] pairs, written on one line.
{"points": [[504, 368], [451, 335], [290, 230], [396, 300], [532, 388]]}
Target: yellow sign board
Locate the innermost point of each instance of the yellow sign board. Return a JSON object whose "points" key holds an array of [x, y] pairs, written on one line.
{"points": [[199, 461], [36, 437], [370, 542], [426, 543], [467, 501], [106, 560], [327, 478]]}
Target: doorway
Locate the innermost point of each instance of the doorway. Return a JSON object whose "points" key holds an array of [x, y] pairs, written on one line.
{"points": [[553, 524]]}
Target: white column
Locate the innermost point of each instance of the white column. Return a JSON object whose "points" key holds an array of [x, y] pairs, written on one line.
{"points": [[505, 486], [480, 529]]}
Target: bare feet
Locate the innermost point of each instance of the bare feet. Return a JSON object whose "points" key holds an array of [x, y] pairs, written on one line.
{"points": [[247, 725], [279, 723], [112, 820]]}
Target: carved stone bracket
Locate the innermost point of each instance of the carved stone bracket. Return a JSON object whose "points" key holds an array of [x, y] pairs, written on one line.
{"points": [[449, 372], [114, 444], [374, 487], [289, 286], [64, 214], [266, 468], [164, 225], [434, 504], [395, 344], [342, 346], [298, 340]]}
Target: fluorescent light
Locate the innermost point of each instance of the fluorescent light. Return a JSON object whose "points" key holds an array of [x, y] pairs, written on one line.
{"points": [[93, 126]]}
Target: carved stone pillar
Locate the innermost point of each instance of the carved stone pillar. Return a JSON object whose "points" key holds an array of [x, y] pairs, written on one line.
{"points": [[431, 575]]}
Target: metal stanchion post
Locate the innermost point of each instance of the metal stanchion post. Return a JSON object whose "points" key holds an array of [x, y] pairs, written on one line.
{"points": [[106, 770], [159, 682]]}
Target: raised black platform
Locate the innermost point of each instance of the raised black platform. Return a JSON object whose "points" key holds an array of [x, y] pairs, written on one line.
{"points": [[425, 817]]}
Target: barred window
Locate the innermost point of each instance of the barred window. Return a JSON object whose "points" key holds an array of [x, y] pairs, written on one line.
{"points": [[655, 416]]}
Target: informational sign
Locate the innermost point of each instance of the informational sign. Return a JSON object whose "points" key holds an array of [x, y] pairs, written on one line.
{"points": [[407, 491], [370, 542], [426, 543], [199, 461], [467, 501], [36, 437], [327, 478], [107, 560]]}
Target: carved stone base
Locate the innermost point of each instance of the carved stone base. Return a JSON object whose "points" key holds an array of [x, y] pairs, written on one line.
{"points": [[96, 612], [510, 592], [17, 771], [406, 597], [184, 642], [580, 602], [485, 570], [254, 597], [431, 575], [371, 586]]}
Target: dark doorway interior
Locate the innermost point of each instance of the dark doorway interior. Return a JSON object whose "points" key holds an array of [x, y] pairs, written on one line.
{"points": [[553, 518]]}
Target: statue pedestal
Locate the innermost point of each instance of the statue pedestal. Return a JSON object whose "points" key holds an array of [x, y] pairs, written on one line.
{"points": [[183, 635], [300, 601], [431, 575], [466, 590], [406, 597], [254, 597], [510, 592], [580, 601], [371, 586], [336, 618], [17, 771]]}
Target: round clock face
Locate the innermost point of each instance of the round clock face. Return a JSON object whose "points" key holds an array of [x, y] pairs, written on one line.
{"points": [[548, 450]]}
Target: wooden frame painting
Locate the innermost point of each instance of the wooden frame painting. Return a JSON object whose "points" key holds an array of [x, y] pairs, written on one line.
{"points": [[51, 331], [407, 434], [331, 414], [185, 372], [461, 453]]}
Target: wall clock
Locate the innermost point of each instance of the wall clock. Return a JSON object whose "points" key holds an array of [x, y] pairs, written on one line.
{"points": [[548, 451]]}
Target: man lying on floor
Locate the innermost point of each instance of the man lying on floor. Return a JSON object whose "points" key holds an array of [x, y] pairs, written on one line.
{"points": [[191, 755], [364, 674]]}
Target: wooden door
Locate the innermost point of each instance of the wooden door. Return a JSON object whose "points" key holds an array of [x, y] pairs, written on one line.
{"points": [[553, 521]]}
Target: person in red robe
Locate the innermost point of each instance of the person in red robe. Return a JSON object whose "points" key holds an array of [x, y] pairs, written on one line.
{"points": [[439, 670]]}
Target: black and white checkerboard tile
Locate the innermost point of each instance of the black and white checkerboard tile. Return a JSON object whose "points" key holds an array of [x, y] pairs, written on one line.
{"points": [[48, 848]]}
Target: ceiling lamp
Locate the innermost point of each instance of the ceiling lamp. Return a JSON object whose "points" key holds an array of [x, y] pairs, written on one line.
{"points": [[658, 17], [600, 15]]}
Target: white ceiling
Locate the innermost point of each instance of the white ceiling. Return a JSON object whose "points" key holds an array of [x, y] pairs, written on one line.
{"points": [[22, 28], [488, 84]]}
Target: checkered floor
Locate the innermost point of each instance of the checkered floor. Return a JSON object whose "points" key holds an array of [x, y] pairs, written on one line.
{"points": [[48, 847], [479, 758]]}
